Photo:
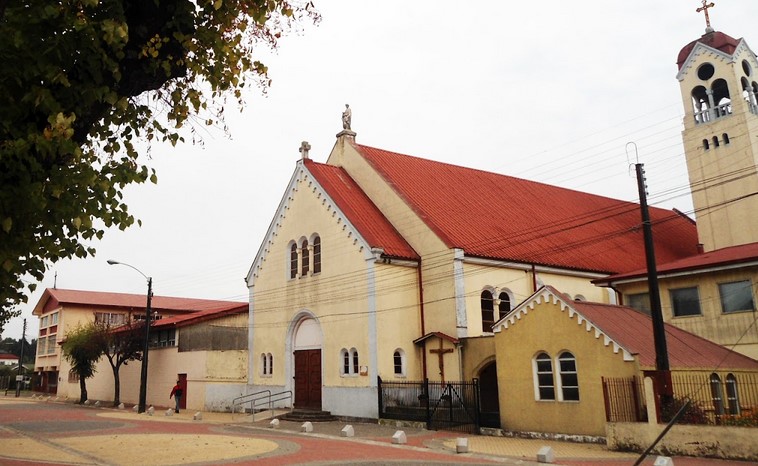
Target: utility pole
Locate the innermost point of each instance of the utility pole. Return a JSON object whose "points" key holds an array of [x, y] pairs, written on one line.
{"points": [[663, 374], [20, 374]]}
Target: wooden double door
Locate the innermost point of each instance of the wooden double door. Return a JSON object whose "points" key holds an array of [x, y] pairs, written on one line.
{"points": [[308, 379]]}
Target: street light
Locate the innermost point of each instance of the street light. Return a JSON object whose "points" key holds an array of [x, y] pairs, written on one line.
{"points": [[143, 374]]}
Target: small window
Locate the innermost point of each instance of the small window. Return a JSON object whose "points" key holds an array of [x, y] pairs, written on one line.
{"points": [[725, 137], [715, 141], [568, 377], [398, 362], [736, 296], [317, 254], [54, 319], [43, 322], [639, 302], [543, 377], [356, 365], [705, 71], [270, 364], [685, 302], [345, 356], [732, 395], [579, 298], [51, 341], [305, 258], [73, 376], [716, 394], [264, 364], [488, 311], [504, 306], [293, 261], [706, 144]]}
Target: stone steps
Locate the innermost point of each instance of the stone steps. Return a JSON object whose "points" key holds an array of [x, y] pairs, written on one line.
{"points": [[312, 415]]}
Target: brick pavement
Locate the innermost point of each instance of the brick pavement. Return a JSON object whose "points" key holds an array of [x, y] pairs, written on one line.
{"points": [[64, 433]]}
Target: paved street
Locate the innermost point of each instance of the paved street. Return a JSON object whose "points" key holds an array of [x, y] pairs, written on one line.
{"points": [[63, 433]]}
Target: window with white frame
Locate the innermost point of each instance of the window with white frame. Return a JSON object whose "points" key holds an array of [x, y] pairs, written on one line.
{"points": [[504, 304], [293, 260], [568, 377], [488, 311], [316, 254], [305, 258], [398, 363], [736, 296], [732, 395], [350, 362], [51, 341], [110, 318], [267, 364], [717, 395], [54, 318], [544, 383]]}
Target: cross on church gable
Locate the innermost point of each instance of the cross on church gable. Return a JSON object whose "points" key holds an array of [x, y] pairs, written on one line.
{"points": [[304, 148], [704, 9]]}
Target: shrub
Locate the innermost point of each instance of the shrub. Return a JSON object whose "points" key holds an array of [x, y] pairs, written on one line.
{"points": [[694, 414]]}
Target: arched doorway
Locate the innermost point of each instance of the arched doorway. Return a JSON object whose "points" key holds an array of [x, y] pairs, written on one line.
{"points": [[306, 345], [489, 403]]}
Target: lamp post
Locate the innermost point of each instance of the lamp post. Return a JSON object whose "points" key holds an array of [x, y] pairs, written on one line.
{"points": [[143, 374]]}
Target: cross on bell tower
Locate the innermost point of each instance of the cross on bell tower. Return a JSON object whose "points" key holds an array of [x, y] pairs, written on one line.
{"points": [[704, 9]]}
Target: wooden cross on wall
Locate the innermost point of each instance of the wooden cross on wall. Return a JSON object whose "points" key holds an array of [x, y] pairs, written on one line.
{"points": [[440, 352], [704, 8]]}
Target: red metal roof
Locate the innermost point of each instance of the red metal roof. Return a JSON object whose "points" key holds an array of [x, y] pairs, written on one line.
{"points": [[200, 316], [131, 301], [633, 330], [717, 40], [360, 211], [713, 259], [501, 217]]}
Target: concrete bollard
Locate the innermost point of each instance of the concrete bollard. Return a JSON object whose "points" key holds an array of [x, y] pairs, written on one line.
{"points": [[461, 445], [86, 403], [121, 406], [150, 410], [97, 403], [274, 424], [545, 455], [399, 438], [306, 427], [663, 461], [347, 431], [48, 398], [198, 416], [169, 412], [135, 408]]}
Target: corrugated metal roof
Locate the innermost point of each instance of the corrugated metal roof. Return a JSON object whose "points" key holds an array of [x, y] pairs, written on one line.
{"points": [[501, 217], [713, 259], [633, 330], [133, 301], [360, 211]]}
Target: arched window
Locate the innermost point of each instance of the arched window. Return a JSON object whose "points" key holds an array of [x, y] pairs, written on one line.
{"points": [[317, 254], [544, 384], [398, 362], [725, 137], [488, 311], [579, 298], [345, 356], [715, 141], [732, 395], [305, 258], [504, 307], [717, 395], [356, 365], [270, 364], [265, 368], [706, 144], [293, 261], [568, 378]]}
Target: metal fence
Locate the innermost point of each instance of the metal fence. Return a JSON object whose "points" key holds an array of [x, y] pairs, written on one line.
{"points": [[729, 398], [442, 406]]}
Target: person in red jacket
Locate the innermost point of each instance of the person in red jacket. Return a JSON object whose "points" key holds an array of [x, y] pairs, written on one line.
{"points": [[176, 392]]}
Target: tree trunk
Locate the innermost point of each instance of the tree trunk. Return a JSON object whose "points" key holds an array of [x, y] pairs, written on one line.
{"points": [[116, 386], [83, 389]]}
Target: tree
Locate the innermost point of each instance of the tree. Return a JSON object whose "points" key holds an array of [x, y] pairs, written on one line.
{"points": [[122, 344], [81, 83], [83, 346]]}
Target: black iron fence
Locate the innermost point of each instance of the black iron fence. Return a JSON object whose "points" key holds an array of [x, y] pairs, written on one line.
{"points": [[624, 399], [441, 405]]}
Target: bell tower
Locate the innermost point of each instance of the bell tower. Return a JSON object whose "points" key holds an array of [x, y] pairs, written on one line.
{"points": [[718, 77]]}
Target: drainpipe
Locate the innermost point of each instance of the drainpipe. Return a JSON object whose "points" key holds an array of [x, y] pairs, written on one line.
{"points": [[534, 279]]}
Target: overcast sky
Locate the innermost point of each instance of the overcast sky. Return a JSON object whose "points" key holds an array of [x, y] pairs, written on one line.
{"points": [[547, 90]]}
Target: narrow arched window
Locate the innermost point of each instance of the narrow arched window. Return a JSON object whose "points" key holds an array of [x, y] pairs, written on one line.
{"points": [[544, 384], [715, 141], [306, 258], [569, 378], [504, 307], [317, 254], [717, 395], [356, 366], [293, 260], [706, 144], [488, 311], [732, 395], [398, 362], [270, 364], [345, 361], [725, 137], [264, 365]]}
